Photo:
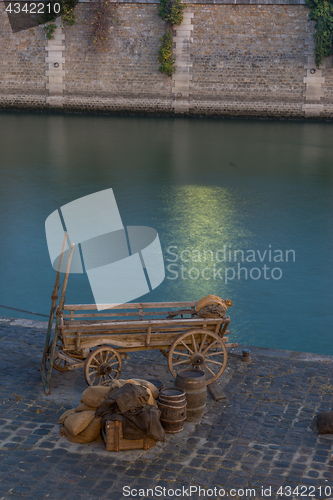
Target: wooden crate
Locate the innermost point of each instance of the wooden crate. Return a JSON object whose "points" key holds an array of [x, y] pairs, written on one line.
{"points": [[112, 433]]}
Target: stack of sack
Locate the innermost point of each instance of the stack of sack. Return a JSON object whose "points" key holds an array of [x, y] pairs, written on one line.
{"points": [[99, 403], [212, 306]]}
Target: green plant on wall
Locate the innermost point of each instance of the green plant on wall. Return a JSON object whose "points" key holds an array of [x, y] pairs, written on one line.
{"points": [[322, 14], [51, 12], [165, 56], [67, 11], [103, 18], [172, 11], [50, 29]]}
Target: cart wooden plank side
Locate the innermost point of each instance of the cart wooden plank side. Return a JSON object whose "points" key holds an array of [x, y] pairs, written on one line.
{"points": [[98, 340]]}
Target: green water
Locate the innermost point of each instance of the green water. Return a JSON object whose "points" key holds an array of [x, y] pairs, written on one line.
{"points": [[206, 186]]}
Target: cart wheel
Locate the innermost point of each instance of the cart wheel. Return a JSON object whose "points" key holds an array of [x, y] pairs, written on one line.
{"points": [[60, 364], [198, 349], [165, 353], [103, 364]]}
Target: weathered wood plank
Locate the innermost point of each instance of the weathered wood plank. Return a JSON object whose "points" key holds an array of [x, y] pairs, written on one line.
{"points": [[156, 341], [144, 305], [216, 390], [155, 323], [148, 336], [78, 339], [124, 314]]}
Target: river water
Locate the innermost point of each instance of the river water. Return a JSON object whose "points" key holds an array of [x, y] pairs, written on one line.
{"points": [[243, 210]]}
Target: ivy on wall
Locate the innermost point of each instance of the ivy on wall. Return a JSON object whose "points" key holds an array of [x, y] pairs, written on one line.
{"points": [[51, 12], [322, 13], [172, 11], [66, 11], [165, 56], [50, 29], [103, 18]]}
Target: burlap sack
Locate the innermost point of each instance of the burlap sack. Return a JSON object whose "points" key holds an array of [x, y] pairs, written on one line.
{"points": [[93, 396], [212, 311], [115, 384], [151, 400], [78, 421], [212, 300], [208, 300], [83, 407], [65, 415], [148, 385], [89, 434]]}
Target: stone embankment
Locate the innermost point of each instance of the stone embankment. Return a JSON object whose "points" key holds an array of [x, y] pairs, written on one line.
{"points": [[238, 58]]}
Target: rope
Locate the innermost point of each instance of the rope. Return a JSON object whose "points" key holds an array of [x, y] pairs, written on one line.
{"points": [[22, 310]]}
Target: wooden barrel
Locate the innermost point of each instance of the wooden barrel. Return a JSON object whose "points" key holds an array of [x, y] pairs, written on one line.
{"points": [[172, 403], [193, 382], [157, 383]]}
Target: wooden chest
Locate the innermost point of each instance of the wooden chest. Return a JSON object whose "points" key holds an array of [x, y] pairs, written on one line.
{"points": [[112, 433]]}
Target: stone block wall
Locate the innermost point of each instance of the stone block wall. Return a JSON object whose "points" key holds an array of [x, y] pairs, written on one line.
{"points": [[327, 98], [22, 65], [249, 59], [123, 74], [241, 59]]}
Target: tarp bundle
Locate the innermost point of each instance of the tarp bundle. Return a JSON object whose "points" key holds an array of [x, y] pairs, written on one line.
{"points": [[129, 405], [212, 306], [83, 424]]}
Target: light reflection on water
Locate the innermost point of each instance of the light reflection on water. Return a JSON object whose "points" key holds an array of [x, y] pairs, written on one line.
{"points": [[201, 184]]}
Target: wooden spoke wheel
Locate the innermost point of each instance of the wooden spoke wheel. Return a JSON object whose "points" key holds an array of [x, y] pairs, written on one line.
{"points": [[165, 353], [200, 349], [102, 365], [58, 363]]}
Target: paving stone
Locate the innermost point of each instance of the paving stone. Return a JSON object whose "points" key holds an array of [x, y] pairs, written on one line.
{"points": [[21, 490], [106, 485], [116, 495]]}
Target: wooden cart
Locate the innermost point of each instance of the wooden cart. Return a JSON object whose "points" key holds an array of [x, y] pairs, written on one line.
{"points": [[99, 340]]}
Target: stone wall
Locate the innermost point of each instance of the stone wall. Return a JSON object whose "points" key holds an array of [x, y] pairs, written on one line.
{"points": [[327, 98], [124, 74], [22, 65], [241, 59], [249, 59]]}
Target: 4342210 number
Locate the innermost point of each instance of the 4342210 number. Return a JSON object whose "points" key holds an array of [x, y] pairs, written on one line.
{"points": [[33, 8]]}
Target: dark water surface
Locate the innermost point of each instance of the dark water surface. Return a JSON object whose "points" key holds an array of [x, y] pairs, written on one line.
{"points": [[263, 188]]}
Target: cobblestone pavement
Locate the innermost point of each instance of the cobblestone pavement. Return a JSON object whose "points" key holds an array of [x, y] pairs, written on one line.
{"points": [[262, 435]]}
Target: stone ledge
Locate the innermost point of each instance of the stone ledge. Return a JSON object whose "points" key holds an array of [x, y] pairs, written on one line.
{"points": [[281, 353]]}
